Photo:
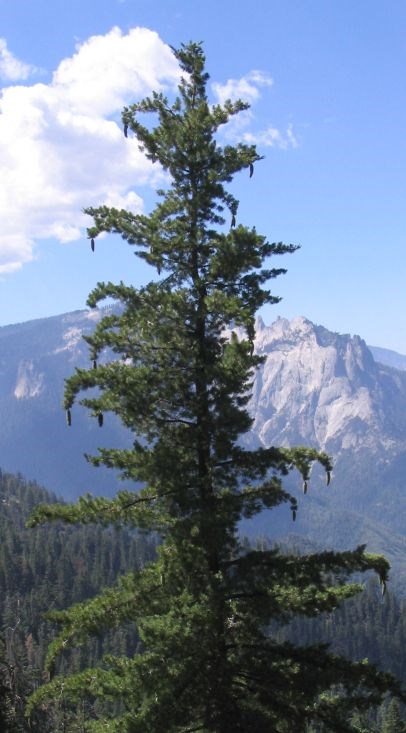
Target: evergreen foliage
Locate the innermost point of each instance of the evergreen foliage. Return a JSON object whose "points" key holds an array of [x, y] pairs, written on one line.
{"points": [[203, 608], [393, 722], [366, 626], [51, 568]]}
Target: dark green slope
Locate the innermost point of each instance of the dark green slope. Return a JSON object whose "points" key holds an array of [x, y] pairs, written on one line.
{"points": [[51, 567], [44, 569]]}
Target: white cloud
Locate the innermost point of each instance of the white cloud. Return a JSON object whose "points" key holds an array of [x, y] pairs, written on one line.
{"points": [[62, 147], [99, 78], [246, 88], [271, 137], [12, 68]]}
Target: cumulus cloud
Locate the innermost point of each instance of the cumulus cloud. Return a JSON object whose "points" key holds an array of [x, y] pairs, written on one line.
{"points": [[11, 68], [62, 146], [246, 88]]}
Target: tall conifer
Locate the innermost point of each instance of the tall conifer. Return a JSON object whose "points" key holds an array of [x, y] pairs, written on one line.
{"points": [[393, 722], [208, 661]]}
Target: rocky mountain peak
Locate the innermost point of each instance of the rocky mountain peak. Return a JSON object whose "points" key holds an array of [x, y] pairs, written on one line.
{"points": [[316, 387]]}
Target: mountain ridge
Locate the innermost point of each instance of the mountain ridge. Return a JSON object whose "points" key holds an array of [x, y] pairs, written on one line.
{"points": [[315, 388]]}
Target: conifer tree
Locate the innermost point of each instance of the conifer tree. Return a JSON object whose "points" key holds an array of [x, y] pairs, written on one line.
{"points": [[180, 382], [6, 705], [393, 722]]}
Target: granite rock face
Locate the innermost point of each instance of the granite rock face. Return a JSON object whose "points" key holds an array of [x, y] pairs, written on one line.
{"points": [[324, 389]]}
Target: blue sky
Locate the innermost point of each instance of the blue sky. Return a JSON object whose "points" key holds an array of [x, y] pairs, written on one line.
{"points": [[326, 80]]}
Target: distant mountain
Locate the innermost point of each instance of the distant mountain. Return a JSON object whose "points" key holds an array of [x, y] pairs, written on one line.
{"points": [[326, 390], [315, 388], [389, 357], [35, 358]]}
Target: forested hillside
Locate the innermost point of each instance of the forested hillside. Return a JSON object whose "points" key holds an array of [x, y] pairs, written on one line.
{"points": [[367, 626], [50, 568], [44, 569]]}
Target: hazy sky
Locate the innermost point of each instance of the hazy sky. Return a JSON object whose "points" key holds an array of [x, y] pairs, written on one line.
{"points": [[326, 80]]}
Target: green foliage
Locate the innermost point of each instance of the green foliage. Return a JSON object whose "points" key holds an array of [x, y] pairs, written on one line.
{"points": [[50, 568], [204, 607], [365, 626], [393, 721]]}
